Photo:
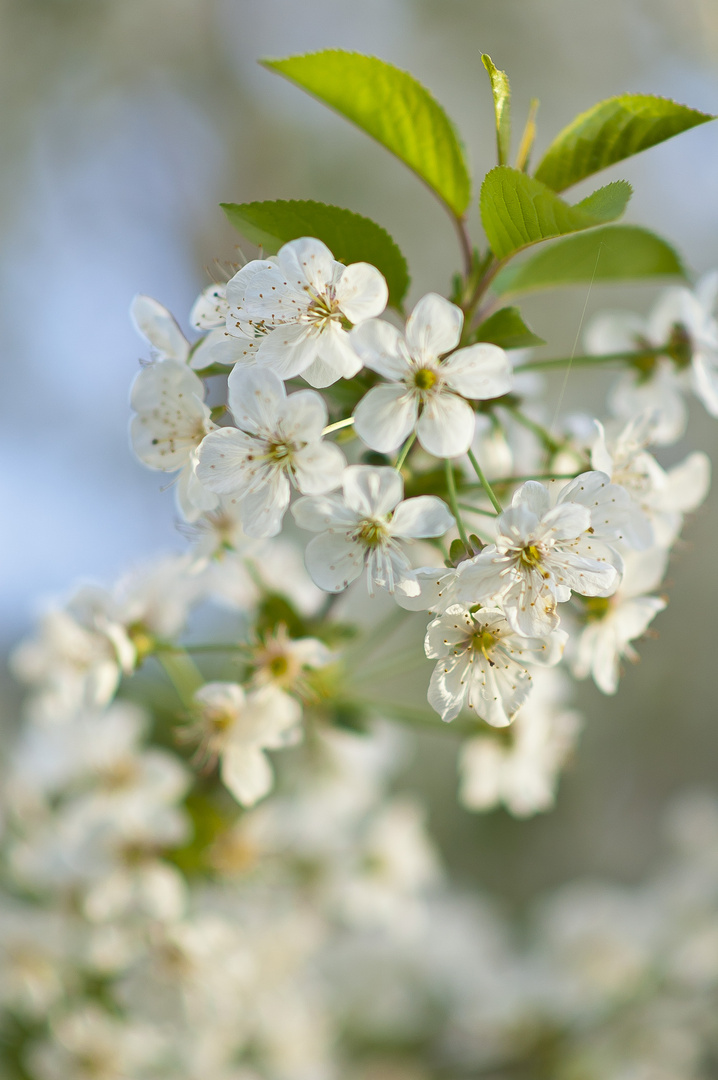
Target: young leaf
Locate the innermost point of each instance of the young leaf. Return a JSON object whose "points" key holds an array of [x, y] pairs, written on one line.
{"points": [[517, 210], [507, 329], [502, 108], [394, 108], [349, 236], [612, 253], [611, 131]]}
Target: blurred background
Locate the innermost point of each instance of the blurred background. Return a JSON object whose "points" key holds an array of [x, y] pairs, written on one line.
{"points": [[126, 122]]}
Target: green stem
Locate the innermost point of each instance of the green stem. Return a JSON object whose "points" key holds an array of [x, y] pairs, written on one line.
{"points": [[404, 451], [537, 429], [182, 673], [484, 482], [451, 491], [338, 425], [576, 361], [476, 510], [509, 481]]}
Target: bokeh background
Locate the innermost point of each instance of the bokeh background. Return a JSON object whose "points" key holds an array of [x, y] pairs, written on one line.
{"points": [[126, 122]]}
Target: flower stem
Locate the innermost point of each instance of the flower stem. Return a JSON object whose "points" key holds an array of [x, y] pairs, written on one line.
{"points": [[538, 430], [453, 503], [484, 482], [599, 358], [404, 451], [182, 673], [338, 425]]}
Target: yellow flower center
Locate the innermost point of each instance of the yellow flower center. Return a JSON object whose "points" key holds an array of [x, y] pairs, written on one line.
{"points": [[424, 379], [371, 533], [483, 642], [531, 555]]}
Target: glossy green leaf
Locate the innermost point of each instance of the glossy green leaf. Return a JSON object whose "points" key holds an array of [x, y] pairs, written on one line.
{"points": [[349, 236], [507, 329], [517, 210], [613, 253], [502, 108], [612, 131], [392, 107]]}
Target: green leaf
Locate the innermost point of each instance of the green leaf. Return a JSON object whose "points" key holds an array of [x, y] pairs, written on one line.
{"points": [[613, 253], [507, 329], [517, 210], [612, 131], [502, 108], [349, 236], [392, 107]]}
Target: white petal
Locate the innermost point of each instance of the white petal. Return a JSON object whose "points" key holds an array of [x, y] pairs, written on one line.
{"points": [[319, 467], [227, 461], [434, 327], [361, 292], [385, 417], [480, 371], [302, 418], [256, 399], [372, 492], [335, 357], [334, 560], [164, 383], [237, 286], [317, 514], [288, 350], [262, 512], [688, 482], [615, 331], [209, 310], [446, 426], [381, 347], [705, 378], [534, 496], [307, 262], [219, 347], [423, 516], [246, 772], [447, 688], [160, 328]]}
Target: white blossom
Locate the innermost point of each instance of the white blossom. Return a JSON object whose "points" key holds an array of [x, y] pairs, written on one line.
{"points": [[482, 663], [172, 420], [300, 308], [683, 325], [278, 440], [363, 528], [426, 392], [662, 496], [611, 623], [542, 553], [521, 767], [167, 342], [237, 728]]}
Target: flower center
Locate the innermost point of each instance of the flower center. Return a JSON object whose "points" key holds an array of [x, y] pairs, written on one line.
{"points": [[278, 666], [323, 309], [280, 453], [531, 555], [596, 607], [424, 379], [680, 347], [371, 533], [483, 642]]}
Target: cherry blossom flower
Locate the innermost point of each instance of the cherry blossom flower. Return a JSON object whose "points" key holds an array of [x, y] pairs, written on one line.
{"points": [[662, 496], [362, 529], [541, 553], [237, 728], [482, 663], [426, 392], [171, 421], [302, 305], [160, 329], [611, 623], [520, 768], [278, 440], [683, 324]]}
